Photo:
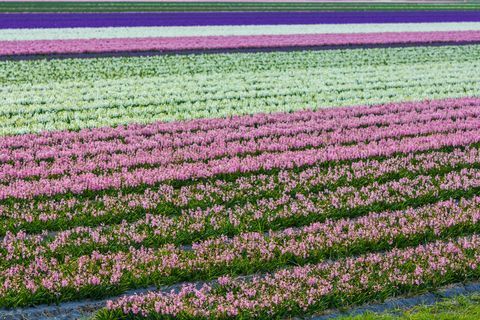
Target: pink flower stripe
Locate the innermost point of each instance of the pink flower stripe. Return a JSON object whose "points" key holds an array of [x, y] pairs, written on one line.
{"points": [[155, 229], [215, 194], [276, 140], [228, 42], [312, 287], [279, 146], [198, 146], [289, 159], [373, 227], [51, 275]]}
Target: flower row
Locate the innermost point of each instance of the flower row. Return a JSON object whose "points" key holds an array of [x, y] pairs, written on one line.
{"points": [[80, 183], [201, 31], [176, 44], [133, 19], [166, 199], [48, 275], [228, 5], [37, 73], [310, 288], [284, 210]]}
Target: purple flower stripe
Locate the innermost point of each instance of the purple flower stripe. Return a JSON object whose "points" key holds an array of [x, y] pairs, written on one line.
{"points": [[69, 20], [229, 42]]}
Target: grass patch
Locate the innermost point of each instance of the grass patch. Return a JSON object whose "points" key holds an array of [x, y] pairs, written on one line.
{"points": [[459, 308]]}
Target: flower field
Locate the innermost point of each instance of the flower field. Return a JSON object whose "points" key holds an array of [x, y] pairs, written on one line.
{"points": [[225, 160]]}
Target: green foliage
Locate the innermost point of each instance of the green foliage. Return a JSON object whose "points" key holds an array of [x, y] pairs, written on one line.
{"points": [[458, 308]]}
